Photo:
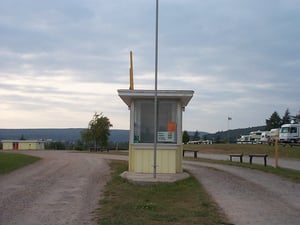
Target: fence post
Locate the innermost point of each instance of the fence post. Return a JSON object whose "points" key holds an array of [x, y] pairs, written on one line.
{"points": [[276, 153]]}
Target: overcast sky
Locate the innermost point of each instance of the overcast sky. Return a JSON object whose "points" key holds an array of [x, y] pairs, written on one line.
{"points": [[63, 60]]}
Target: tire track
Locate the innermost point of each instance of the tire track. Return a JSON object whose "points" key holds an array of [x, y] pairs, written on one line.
{"points": [[249, 196], [62, 188]]}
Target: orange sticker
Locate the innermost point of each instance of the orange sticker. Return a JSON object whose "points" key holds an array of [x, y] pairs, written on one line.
{"points": [[171, 126]]}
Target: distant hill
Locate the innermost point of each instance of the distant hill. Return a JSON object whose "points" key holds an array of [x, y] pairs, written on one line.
{"points": [[233, 135], [67, 134], [116, 136], [201, 133]]}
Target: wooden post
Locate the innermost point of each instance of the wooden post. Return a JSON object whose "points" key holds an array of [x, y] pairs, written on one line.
{"points": [[276, 153]]}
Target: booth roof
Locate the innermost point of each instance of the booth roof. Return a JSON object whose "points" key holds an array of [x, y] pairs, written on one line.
{"points": [[183, 95]]}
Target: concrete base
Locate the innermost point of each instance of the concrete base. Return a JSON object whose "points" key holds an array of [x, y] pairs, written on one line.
{"points": [[147, 178]]}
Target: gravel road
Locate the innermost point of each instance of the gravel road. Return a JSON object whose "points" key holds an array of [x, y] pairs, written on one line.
{"points": [[62, 188], [249, 196]]}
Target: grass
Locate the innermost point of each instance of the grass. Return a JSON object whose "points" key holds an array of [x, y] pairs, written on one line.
{"points": [[182, 202], [283, 151], [292, 175], [12, 161]]}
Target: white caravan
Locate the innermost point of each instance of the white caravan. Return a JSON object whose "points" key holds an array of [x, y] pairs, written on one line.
{"points": [[265, 137], [274, 135], [255, 136], [290, 133], [244, 139]]}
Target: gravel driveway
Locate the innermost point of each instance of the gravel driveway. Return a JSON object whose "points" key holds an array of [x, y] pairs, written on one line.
{"points": [[62, 188], [249, 196]]}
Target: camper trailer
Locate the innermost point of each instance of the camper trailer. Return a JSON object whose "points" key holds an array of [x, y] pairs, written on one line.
{"points": [[290, 133], [265, 137], [274, 135], [255, 137], [244, 139]]}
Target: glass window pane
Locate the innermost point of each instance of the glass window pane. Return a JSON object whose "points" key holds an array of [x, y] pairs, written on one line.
{"points": [[144, 121], [293, 129], [167, 121]]}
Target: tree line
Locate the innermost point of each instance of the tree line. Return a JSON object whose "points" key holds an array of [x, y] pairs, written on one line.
{"points": [[275, 121], [95, 137]]}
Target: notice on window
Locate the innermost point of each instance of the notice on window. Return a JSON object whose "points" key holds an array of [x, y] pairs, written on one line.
{"points": [[165, 136], [171, 126]]}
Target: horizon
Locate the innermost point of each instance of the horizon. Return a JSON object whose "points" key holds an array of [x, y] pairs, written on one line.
{"points": [[61, 128]]}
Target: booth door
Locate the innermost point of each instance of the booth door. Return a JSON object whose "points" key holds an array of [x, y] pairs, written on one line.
{"points": [[15, 145]]}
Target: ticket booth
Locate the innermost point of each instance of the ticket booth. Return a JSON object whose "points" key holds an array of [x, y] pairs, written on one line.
{"points": [[170, 105]]}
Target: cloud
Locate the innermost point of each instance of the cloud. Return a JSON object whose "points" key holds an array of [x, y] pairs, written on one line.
{"points": [[60, 61]]}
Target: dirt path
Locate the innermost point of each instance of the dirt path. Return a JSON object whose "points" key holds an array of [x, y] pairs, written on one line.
{"points": [[62, 188], [249, 196]]}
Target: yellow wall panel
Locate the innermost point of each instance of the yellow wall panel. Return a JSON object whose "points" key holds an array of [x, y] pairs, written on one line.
{"points": [[23, 145], [168, 160]]}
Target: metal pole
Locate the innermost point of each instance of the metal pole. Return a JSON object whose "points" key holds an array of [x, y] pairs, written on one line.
{"points": [[155, 93], [228, 129]]}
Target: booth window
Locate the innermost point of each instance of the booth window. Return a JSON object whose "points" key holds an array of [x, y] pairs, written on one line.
{"points": [[144, 121]]}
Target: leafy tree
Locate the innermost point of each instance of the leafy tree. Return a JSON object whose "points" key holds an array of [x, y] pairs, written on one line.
{"points": [[86, 138], [56, 145], [79, 145], [196, 136], [98, 131], [185, 137], [274, 121], [286, 118], [297, 118], [22, 137], [218, 138]]}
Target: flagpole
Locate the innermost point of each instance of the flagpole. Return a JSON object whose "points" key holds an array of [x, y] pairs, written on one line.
{"points": [[228, 119], [155, 93]]}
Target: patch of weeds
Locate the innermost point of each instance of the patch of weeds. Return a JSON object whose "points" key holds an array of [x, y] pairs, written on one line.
{"points": [[181, 202]]}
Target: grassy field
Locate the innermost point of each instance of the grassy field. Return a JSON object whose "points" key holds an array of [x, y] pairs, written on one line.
{"points": [[284, 151], [292, 175], [12, 161], [182, 202]]}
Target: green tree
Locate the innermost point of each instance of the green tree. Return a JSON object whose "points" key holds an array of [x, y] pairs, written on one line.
{"points": [[86, 138], [286, 117], [196, 136], [274, 121], [55, 145], [98, 131], [79, 145], [22, 137], [185, 137], [297, 118]]}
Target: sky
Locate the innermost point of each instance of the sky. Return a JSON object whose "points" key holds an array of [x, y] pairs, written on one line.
{"points": [[63, 60]]}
